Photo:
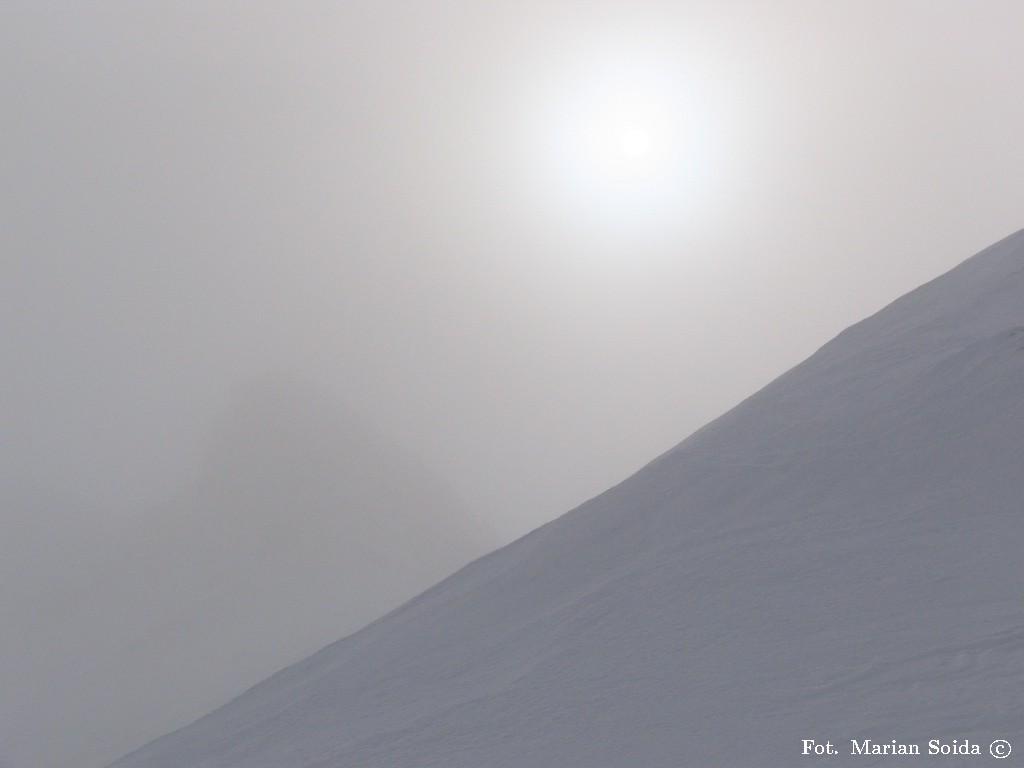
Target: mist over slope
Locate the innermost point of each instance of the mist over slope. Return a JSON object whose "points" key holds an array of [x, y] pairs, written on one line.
{"points": [[836, 558], [304, 525]]}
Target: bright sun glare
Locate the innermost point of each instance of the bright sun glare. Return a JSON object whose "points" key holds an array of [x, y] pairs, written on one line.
{"points": [[615, 137], [636, 142], [628, 145]]}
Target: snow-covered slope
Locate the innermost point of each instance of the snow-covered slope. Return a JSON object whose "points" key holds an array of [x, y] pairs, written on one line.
{"points": [[837, 558], [305, 525]]}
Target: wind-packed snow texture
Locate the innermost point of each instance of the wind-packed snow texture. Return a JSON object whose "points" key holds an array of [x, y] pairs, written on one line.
{"points": [[839, 557]]}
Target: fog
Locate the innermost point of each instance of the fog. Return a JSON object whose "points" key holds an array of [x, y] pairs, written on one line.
{"points": [[303, 526], [387, 200]]}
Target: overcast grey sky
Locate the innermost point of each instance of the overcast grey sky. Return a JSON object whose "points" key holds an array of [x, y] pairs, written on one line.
{"points": [[535, 243], [399, 202]]}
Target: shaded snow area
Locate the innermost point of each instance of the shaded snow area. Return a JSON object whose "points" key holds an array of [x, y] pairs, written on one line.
{"points": [[838, 558]]}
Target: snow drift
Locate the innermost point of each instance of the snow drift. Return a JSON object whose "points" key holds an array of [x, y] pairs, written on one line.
{"points": [[838, 558]]}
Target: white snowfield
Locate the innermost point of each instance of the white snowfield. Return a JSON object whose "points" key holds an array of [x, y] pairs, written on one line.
{"points": [[839, 558]]}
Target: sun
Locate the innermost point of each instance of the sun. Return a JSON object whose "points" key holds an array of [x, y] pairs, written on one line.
{"points": [[635, 142], [617, 138], [628, 144]]}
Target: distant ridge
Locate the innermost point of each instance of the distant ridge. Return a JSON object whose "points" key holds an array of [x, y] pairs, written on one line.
{"points": [[304, 525], [837, 558]]}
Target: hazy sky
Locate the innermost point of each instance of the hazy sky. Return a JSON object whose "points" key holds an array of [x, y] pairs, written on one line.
{"points": [[426, 207], [536, 243]]}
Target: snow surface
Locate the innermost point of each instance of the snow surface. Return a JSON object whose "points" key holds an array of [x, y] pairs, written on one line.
{"points": [[837, 558]]}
